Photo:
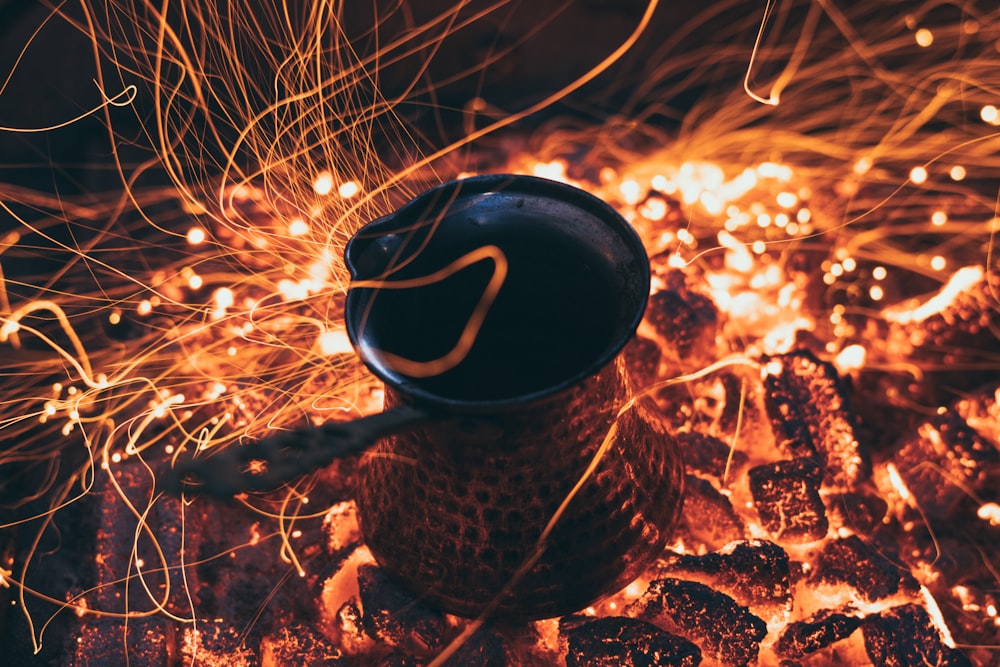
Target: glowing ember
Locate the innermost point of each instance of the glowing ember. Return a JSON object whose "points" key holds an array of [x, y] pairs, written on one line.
{"points": [[960, 282]]}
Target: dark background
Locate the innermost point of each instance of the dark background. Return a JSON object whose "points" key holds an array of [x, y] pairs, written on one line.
{"points": [[512, 57]]}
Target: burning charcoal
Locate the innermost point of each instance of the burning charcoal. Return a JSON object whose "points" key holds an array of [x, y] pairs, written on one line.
{"points": [[486, 648], [723, 629], [391, 615], [977, 632], [884, 401], [786, 495], [955, 558], [729, 405], [810, 415], [855, 563], [214, 643], [140, 643], [642, 358], [675, 406], [981, 411], [709, 516], [299, 644], [755, 573], [116, 538], [396, 659], [957, 331], [236, 586], [804, 637], [616, 641], [686, 321], [861, 513], [943, 461], [350, 628], [707, 455], [966, 558], [340, 526], [904, 636]]}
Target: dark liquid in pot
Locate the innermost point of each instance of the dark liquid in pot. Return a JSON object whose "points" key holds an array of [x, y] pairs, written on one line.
{"points": [[556, 313]]}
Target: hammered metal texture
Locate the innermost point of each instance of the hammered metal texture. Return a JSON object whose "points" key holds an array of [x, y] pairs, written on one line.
{"points": [[453, 509]]}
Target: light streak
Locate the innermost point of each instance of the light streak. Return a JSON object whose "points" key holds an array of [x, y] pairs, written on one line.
{"points": [[937, 618]]}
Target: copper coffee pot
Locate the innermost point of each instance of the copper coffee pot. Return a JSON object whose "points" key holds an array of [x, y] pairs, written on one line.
{"points": [[514, 472]]}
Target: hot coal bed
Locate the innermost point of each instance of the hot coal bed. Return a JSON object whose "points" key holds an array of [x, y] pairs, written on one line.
{"points": [[834, 394], [842, 527]]}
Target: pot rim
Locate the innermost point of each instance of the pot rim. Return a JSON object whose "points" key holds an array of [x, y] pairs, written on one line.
{"points": [[454, 192]]}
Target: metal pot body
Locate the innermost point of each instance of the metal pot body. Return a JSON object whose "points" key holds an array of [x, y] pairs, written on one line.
{"points": [[532, 490], [456, 510]]}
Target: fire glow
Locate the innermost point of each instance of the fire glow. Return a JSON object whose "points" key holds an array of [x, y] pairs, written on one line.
{"points": [[235, 328]]}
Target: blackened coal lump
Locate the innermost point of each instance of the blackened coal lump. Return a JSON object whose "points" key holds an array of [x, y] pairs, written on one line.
{"points": [[811, 416], [724, 630], [904, 636], [754, 572], [707, 455], [804, 637], [786, 495], [865, 568], [393, 616], [616, 641], [709, 516]]}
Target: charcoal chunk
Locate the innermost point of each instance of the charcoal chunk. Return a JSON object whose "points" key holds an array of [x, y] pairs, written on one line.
{"points": [[729, 405], [724, 630], [213, 642], [299, 644], [755, 573], [904, 636], [341, 530], [393, 616], [976, 632], [786, 496], [804, 637], [351, 628], [687, 322], [485, 648], [617, 641], [859, 512], [709, 516], [959, 338], [642, 358], [397, 659], [811, 416], [942, 461], [981, 411], [707, 455], [141, 642], [854, 562]]}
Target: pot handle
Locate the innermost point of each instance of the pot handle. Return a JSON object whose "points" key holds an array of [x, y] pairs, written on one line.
{"points": [[270, 462]]}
